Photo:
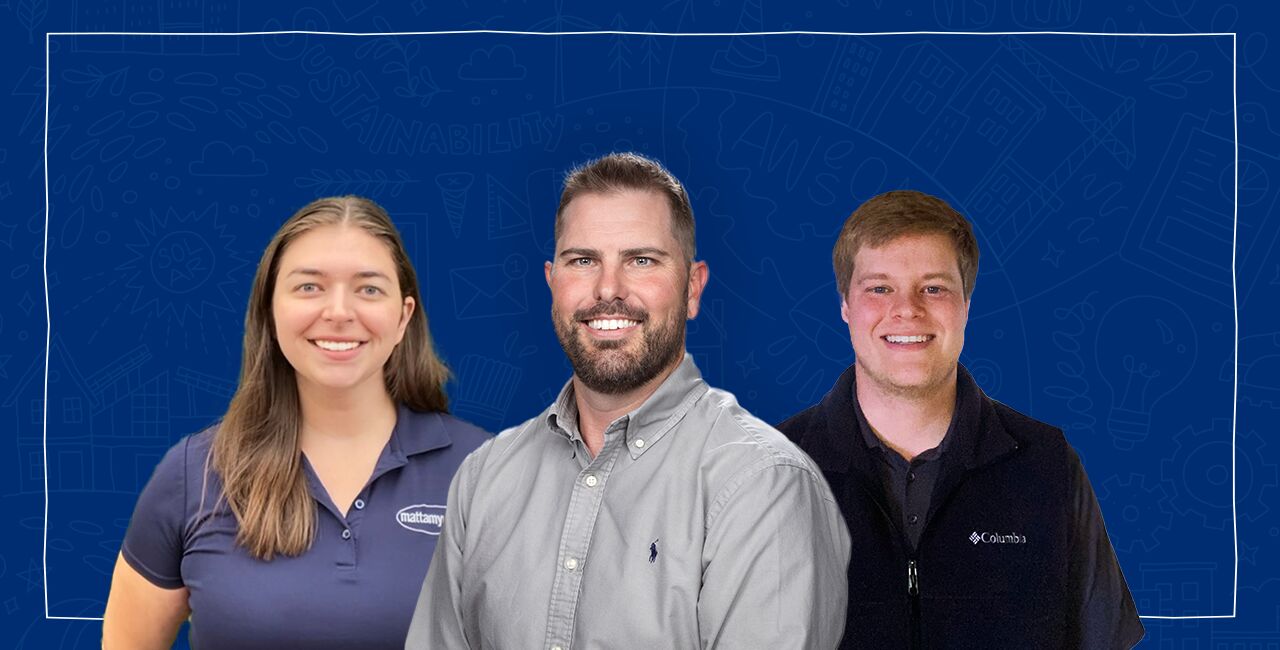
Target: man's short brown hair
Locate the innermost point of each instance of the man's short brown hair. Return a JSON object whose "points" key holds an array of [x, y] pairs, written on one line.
{"points": [[891, 215], [618, 172]]}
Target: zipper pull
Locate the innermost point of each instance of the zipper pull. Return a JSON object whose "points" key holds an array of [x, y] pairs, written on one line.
{"points": [[913, 579]]}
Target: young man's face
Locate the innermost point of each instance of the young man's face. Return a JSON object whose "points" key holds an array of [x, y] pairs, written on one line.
{"points": [[906, 311], [621, 289]]}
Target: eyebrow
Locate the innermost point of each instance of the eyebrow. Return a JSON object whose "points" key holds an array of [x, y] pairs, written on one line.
{"points": [[643, 251], [321, 274], [927, 276], [646, 251]]}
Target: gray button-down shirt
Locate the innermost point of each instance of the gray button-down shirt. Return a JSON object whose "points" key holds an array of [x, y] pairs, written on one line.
{"points": [[697, 525]]}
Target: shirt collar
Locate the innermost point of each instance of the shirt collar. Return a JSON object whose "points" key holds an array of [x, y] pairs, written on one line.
{"points": [[562, 415], [646, 424], [839, 452], [981, 437], [416, 433], [965, 411]]}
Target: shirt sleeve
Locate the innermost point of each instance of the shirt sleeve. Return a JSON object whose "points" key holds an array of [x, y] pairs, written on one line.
{"points": [[438, 618], [154, 542], [776, 559], [1102, 610]]}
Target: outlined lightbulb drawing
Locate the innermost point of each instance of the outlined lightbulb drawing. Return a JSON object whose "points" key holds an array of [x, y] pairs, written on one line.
{"points": [[1145, 349]]}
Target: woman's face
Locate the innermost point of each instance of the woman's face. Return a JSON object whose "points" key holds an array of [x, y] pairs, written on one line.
{"points": [[338, 309]]}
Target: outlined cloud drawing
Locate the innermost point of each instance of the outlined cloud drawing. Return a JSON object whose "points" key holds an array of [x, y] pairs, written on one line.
{"points": [[492, 64], [222, 159]]}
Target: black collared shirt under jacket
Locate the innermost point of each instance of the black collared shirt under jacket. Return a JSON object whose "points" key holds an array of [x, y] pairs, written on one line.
{"points": [[1012, 553]]}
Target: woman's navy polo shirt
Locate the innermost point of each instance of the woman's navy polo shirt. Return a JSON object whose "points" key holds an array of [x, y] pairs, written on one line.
{"points": [[357, 584]]}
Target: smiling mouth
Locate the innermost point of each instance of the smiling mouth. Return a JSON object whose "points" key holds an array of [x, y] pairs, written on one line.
{"points": [[610, 324], [898, 339], [336, 346]]}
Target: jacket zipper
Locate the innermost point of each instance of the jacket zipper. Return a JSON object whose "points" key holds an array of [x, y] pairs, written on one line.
{"points": [[913, 578], [913, 591]]}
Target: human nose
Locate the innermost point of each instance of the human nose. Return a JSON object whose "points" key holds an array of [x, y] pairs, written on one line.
{"points": [[610, 284], [337, 306], [907, 305]]}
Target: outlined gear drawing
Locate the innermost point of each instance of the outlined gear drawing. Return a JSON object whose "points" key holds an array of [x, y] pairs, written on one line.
{"points": [[1145, 511], [1200, 472]]}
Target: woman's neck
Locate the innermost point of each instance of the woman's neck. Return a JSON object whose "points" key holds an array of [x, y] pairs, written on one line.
{"points": [[346, 414]]}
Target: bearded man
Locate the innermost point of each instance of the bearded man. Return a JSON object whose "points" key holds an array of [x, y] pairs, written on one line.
{"points": [[642, 509]]}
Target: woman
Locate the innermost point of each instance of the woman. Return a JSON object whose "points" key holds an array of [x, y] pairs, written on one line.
{"points": [[307, 516]]}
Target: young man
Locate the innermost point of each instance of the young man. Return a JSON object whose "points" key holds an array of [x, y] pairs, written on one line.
{"points": [[642, 509], [973, 525]]}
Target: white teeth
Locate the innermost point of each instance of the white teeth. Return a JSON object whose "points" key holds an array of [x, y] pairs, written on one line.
{"points": [[611, 323], [338, 346], [908, 339]]}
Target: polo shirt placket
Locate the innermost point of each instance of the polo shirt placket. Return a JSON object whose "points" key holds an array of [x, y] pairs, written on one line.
{"points": [[348, 525], [344, 548]]}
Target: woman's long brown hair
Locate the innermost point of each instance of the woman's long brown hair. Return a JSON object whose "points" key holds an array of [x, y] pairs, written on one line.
{"points": [[256, 451]]}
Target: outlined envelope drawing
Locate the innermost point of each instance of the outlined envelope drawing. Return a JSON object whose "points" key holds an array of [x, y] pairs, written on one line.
{"points": [[490, 290]]}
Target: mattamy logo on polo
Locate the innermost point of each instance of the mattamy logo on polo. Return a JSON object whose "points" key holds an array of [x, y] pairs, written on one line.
{"points": [[422, 518], [996, 538]]}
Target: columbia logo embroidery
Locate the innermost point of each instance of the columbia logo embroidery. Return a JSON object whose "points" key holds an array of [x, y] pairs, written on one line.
{"points": [[422, 518], [653, 551], [997, 538]]}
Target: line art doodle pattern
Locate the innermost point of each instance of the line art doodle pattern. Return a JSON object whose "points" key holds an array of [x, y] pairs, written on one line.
{"points": [[1118, 184]]}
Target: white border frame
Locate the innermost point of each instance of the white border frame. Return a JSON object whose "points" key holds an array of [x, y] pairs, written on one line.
{"points": [[1235, 123]]}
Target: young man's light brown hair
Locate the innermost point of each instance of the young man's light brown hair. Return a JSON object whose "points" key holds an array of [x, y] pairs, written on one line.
{"points": [[886, 217], [618, 172]]}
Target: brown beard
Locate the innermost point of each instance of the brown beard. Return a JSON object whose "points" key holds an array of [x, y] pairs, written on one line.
{"points": [[603, 366]]}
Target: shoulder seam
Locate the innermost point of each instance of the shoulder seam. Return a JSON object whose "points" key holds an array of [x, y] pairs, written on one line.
{"points": [[736, 482], [771, 450]]}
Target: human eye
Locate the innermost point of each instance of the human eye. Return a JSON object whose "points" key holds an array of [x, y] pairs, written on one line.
{"points": [[307, 287], [644, 261], [878, 289], [371, 290], [581, 262], [935, 290]]}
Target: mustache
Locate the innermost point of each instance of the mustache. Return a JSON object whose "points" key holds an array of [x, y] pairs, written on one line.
{"points": [[614, 309]]}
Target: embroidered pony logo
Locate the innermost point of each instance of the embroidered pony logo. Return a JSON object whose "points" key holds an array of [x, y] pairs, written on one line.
{"points": [[653, 552]]}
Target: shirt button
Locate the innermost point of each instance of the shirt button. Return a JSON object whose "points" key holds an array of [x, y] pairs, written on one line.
{"points": [[639, 444], [911, 519], [359, 504], [911, 476], [556, 647], [571, 564], [346, 533], [591, 480]]}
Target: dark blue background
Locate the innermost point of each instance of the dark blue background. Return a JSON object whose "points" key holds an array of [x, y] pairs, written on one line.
{"points": [[1098, 170]]}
